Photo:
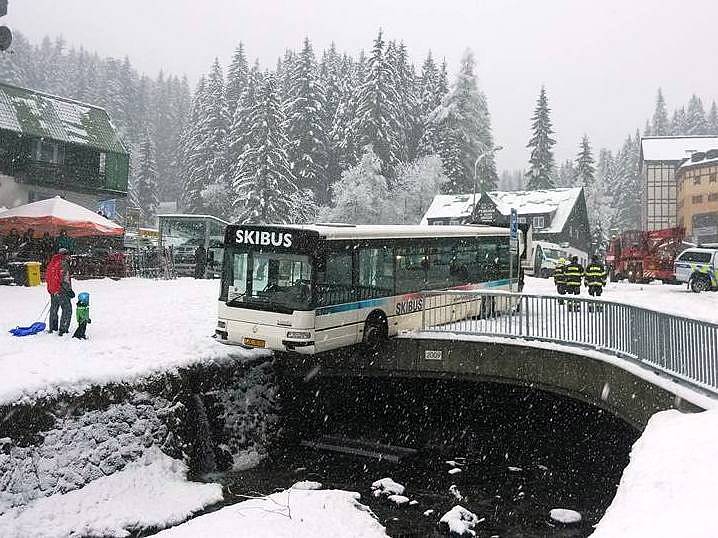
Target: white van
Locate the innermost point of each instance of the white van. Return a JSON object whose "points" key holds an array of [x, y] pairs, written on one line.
{"points": [[698, 267]]}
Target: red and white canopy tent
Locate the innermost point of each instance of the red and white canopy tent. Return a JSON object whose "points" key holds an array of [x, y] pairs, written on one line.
{"points": [[56, 214]]}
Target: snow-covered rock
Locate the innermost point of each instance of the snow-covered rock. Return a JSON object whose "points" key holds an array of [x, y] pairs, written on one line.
{"points": [[460, 521], [565, 516], [386, 486], [313, 514], [398, 499], [456, 493], [454, 470], [150, 492], [307, 485]]}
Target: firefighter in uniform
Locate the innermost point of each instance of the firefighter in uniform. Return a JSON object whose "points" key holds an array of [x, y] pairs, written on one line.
{"points": [[573, 275], [559, 279], [595, 277]]}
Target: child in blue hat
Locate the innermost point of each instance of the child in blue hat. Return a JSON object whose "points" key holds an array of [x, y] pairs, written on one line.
{"points": [[83, 315]]}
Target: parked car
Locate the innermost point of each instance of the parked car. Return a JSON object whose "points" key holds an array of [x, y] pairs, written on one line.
{"points": [[698, 267]]}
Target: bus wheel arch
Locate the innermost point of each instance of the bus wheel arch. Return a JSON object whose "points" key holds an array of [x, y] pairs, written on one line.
{"points": [[376, 330]]}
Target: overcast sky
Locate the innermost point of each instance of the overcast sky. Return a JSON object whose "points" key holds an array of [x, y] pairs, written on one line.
{"points": [[601, 60]]}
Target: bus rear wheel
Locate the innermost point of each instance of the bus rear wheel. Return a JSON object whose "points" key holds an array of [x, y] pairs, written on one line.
{"points": [[376, 331]]}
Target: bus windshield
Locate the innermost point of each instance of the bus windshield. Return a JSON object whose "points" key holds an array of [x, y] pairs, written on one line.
{"points": [[276, 281]]}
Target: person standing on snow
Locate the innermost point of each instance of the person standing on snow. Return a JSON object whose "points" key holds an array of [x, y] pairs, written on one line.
{"points": [[200, 262], [559, 278], [574, 275], [595, 277], [59, 286]]}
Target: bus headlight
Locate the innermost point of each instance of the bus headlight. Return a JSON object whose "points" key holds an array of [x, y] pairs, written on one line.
{"points": [[299, 335], [222, 324]]}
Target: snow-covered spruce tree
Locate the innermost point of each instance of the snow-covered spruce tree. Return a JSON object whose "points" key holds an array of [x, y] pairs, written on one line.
{"points": [[464, 125], [696, 117], [412, 125], [344, 139], [600, 201], [265, 187], [213, 127], [713, 120], [306, 125], [679, 122], [417, 183], [360, 195], [237, 78], [660, 124], [585, 169], [626, 187], [541, 163], [433, 87], [337, 90], [146, 182], [567, 174], [191, 158], [377, 118]]}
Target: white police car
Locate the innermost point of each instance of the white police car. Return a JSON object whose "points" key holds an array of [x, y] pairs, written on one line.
{"points": [[698, 267]]}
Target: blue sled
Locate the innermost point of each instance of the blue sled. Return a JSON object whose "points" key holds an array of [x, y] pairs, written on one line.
{"points": [[35, 328]]}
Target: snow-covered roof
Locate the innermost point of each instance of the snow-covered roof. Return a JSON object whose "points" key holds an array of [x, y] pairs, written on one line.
{"points": [[450, 206], [704, 162], [558, 202], [43, 115], [675, 148]]}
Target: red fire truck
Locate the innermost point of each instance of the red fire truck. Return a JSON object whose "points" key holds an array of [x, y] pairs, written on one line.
{"points": [[644, 256]]}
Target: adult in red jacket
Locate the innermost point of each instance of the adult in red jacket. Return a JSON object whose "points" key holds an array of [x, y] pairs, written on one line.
{"points": [[59, 286]]}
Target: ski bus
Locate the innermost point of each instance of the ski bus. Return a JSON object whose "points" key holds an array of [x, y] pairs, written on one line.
{"points": [[313, 288]]}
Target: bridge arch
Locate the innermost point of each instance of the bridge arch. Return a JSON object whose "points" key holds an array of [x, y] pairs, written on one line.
{"points": [[631, 392]]}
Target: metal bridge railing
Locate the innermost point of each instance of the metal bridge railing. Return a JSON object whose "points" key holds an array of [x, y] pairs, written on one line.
{"points": [[685, 349]]}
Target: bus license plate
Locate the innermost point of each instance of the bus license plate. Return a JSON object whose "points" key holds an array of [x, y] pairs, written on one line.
{"points": [[254, 342]]}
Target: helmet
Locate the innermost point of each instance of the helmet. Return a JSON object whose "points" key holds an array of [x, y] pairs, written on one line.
{"points": [[562, 261], [83, 298]]}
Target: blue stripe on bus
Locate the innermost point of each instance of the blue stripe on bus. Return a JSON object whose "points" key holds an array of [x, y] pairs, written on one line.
{"points": [[377, 302]]}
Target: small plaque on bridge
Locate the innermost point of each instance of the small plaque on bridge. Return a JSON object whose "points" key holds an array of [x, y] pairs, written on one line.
{"points": [[433, 355]]}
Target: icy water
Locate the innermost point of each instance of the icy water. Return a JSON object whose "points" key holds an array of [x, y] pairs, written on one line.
{"points": [[521, 453]]}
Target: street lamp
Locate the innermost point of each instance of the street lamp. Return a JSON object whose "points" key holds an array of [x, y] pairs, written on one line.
{"points": [[476, 164]]}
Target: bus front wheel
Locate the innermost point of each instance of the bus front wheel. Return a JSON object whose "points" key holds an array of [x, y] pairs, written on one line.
{"points": [[376, 331]]}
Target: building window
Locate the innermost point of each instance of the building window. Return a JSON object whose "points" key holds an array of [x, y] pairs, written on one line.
{"points": [[713, 197], [697, 199], [103, 158], [538, 222], [712, 178], [48, 152]]}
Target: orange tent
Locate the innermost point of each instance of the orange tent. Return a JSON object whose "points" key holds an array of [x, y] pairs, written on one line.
{"points": [[56, 214]]}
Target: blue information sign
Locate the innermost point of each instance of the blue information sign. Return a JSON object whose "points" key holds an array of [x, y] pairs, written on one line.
{"points": [[514, 223]]}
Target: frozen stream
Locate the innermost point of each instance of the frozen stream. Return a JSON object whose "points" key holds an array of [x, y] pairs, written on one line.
{"points": [[520, 453]]}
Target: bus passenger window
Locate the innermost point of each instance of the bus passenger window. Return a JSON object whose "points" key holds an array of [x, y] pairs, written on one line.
{"points": [[376, 273], [334, 283], [411, 269]]}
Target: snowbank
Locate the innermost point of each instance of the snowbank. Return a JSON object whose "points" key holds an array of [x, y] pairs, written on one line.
{"points": [[151, 492], [287, 514], [139, 327], [675, 300], [386, 486], [669, 487]]}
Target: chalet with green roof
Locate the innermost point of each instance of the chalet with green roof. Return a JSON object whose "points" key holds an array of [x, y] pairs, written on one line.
{"points": [[51, 145]]}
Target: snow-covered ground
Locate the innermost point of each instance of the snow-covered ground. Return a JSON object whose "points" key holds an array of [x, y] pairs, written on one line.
{"points": [[676, 299], [151, 492], [139, 327], [669, 487], [293, 513]]}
